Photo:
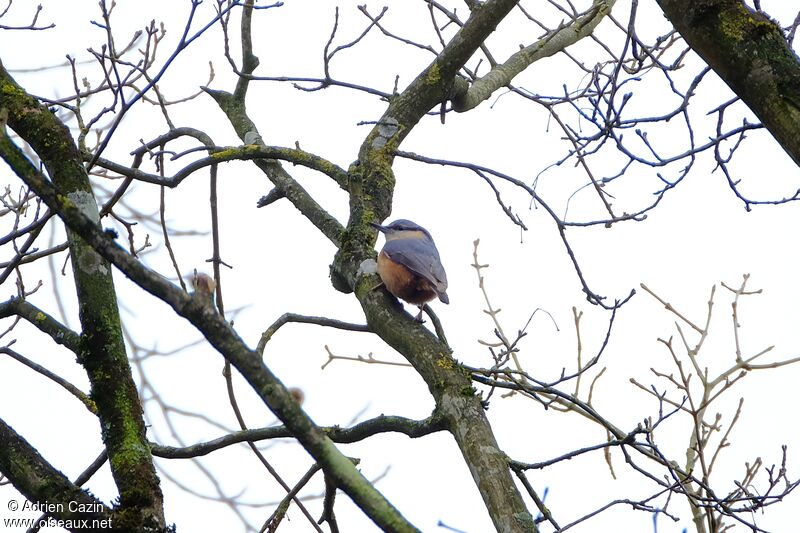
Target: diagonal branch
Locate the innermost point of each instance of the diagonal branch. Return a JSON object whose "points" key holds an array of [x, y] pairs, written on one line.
{"points": [[288, 186], [553, 42], [40, 483], [66, 385], [57, 331]]}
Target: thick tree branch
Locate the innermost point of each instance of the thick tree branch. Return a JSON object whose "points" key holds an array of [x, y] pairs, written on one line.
{"points": [[457, 401], [103, 352], [40, 483], [750, 53], [371, 178], [371, 191], [57, 331]]}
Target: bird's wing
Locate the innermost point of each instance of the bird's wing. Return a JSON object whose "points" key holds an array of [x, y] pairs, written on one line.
{"points": [[419, 256]]}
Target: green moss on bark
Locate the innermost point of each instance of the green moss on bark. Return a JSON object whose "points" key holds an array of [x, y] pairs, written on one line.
{"points": [[102, 349]]}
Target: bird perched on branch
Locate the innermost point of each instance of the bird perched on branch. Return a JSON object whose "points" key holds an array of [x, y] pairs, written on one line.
{"points": [[409, 264]]}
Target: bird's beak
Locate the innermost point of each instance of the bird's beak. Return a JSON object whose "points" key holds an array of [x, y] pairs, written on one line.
{"points": [[378, 227]]}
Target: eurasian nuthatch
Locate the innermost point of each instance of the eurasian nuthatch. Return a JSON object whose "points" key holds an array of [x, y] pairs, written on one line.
{"points": [[409, 264]]}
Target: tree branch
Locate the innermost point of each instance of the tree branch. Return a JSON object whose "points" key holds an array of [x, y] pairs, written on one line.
{"points": [[103, 352], [57, 331], [466, 98], [234, 153], [359, 432], [66, 385], [303, 319], [750, 53], [40, 483], [300, 198]]}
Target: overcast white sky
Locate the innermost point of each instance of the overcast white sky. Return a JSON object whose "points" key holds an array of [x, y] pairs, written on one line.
{"points": [[699, 236]]}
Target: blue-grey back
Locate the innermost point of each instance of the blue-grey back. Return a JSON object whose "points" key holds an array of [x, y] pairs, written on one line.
{"points": [[421, 257]]}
